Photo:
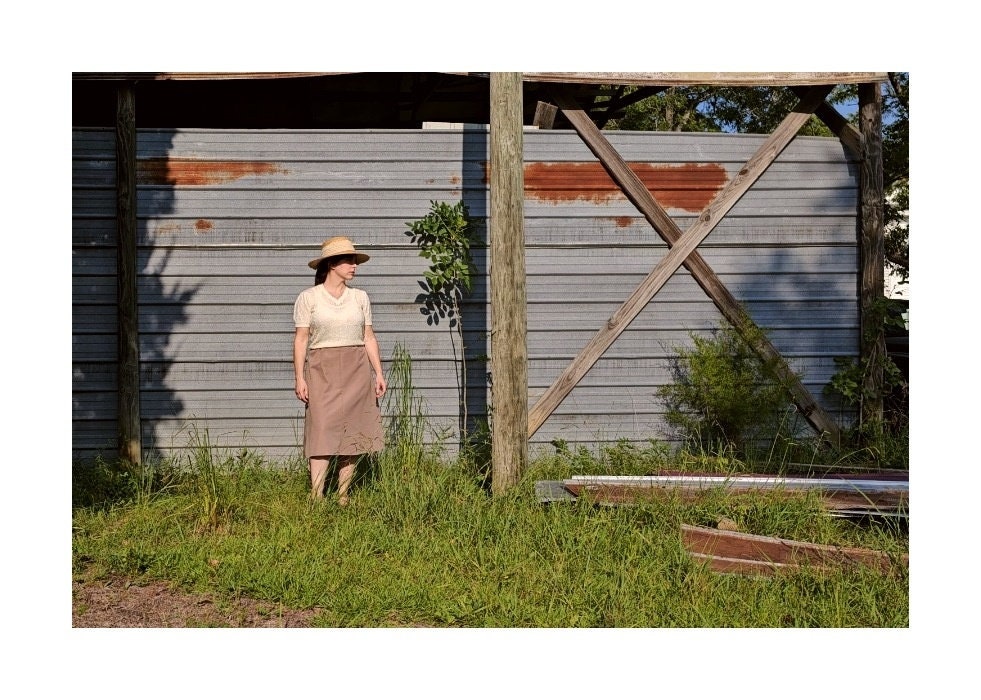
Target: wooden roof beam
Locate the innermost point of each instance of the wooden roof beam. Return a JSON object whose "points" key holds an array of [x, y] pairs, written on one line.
{"points": [[849, 135], [721, 79]]}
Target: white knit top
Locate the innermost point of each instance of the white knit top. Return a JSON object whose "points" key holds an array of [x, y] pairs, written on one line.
{"points": [[332, 322]]}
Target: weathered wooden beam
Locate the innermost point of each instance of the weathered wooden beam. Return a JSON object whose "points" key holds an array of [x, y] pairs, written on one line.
{"points": [[128, 361], [545, 115], [625, 100], [721, 79], [748, 548], [682, 252], [509, 325], [840, 127], [872, 244], [658, 79], [130, 76]]}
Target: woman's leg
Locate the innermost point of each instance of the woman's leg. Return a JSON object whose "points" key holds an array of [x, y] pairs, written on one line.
{"points": [[345, 474], [318, 476]]}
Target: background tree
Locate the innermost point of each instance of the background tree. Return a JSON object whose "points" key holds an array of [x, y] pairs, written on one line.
{"points": [[674, 109], [895, 156], [758, 110]]}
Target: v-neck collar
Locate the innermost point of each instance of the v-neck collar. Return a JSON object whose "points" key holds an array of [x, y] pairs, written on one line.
{"points": [[336, 300]]}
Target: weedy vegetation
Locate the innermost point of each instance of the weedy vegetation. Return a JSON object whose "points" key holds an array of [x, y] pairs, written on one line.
{"points": [[425, 544]]}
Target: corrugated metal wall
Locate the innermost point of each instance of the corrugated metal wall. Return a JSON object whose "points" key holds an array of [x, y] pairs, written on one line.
{"points": [[228, 219]]}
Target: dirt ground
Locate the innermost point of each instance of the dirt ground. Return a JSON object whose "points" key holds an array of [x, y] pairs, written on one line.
{"points": [[118, 603]]}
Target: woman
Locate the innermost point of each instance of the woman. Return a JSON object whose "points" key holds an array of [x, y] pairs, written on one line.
{"points": [[343, 378]]}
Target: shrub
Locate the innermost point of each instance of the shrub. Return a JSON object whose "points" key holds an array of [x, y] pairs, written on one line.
{"points": [[881, 428], [725, 398]]}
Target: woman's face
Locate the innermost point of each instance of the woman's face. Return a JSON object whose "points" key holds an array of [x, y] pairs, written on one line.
{"points": [[345, 266]]}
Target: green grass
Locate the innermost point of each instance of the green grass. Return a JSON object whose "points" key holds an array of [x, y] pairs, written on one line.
{"points": [[425, 544]]}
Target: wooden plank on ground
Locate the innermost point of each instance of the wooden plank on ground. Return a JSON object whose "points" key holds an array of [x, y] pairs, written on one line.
{"points": [[728, 565], [738, 545]]}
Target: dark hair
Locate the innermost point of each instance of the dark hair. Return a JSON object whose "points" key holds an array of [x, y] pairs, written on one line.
{"points": [[321, 274], [323, 267]]}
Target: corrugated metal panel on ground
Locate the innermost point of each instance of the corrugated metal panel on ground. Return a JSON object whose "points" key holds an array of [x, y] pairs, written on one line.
{"points": [[228, 219]]}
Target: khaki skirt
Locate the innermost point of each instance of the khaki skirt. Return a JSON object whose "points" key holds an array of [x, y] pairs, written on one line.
{"points": [[342, 417]]}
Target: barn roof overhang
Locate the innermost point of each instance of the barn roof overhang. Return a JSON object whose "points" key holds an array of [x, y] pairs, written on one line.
{"points": [[340, 100], [596, 78]]}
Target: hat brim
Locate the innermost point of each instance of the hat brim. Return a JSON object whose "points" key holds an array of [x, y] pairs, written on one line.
{"points": [[360, 258]]}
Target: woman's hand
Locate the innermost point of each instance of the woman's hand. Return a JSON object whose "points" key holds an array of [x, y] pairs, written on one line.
{"points": [[380, 386], [301, 391], [300, 340]]}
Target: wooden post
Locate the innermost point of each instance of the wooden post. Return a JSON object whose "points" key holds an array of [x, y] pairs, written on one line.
{"points": [[128, 359], [871, 216], [509, 323]]}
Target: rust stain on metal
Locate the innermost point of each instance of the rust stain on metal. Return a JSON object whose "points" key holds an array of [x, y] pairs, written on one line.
{"points": [[194, 172], [202, 225], [690, 186], [622, 221]]}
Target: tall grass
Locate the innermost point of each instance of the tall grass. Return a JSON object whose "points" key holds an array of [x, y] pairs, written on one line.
{"points": [[405, 433], [425, 545]]}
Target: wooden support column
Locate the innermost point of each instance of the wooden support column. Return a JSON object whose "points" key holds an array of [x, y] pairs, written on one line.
{"points": [[128, 359], [872, 243], [509, 324]]}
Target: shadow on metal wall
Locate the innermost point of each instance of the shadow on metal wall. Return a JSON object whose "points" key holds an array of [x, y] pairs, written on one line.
{"points": [[163, 300]]}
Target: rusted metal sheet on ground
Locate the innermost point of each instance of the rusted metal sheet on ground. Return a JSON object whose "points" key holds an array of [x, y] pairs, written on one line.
{"points": [[738, 552], [552, 491], [863, 483], [886, 504], [878, 494]]}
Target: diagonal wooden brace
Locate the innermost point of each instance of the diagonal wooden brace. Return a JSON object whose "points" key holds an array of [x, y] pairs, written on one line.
{"points": [[683, 252]]}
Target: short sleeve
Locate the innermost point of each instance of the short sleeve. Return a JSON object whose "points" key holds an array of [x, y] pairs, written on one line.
{"points": [[366, 307], [302, 310]]}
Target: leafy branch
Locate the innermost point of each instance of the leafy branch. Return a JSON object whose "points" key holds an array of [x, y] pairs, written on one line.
{"points": [[444, 237]]}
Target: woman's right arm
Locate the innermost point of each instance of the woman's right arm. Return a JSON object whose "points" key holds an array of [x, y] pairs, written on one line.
{"points": [[300, 340]]}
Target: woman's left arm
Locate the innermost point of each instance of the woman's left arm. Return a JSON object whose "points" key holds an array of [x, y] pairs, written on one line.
{"points": [[374, 357]]}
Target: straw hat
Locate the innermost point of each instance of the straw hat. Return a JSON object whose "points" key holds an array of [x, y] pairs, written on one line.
{"points": [[338, 245]]}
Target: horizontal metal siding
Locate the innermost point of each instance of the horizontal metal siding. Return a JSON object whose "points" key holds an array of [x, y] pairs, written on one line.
{"points": [[555, 231], [228, 219]]}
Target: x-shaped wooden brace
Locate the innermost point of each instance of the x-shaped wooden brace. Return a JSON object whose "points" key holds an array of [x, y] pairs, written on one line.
{"points": [[682, 252]]}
